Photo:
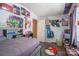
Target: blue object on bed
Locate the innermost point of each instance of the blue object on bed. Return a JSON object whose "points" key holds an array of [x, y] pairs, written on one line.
{"points": [[18, 47]]}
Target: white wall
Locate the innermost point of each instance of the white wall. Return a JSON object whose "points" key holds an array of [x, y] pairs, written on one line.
{"points": [[41, 30], [57, 30]]}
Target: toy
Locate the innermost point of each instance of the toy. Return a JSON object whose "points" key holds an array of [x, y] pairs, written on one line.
{"points": [[51, 51]]}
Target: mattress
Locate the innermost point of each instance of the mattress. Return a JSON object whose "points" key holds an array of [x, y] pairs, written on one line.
{"points": [[18, 47]]}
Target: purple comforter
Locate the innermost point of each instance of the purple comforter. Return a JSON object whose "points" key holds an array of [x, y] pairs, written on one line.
{"points": [[15, 47]]}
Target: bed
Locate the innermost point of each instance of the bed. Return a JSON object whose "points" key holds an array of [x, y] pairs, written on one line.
{"points": [[20, 47]]}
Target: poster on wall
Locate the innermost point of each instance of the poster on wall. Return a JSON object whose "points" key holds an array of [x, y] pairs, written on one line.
{"points": [[28, 25], [25, 12], [6, 7], [49, 32], [22, 11], [15, 22], [55, 23], [64, 22], [16, 10]]}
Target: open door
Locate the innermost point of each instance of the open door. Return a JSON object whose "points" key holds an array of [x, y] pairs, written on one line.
{"points": [[34, 28]]}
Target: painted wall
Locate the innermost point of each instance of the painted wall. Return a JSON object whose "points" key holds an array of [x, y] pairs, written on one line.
{"points": [[6, 14], [32, 16], [41, 30], [57, 30]]}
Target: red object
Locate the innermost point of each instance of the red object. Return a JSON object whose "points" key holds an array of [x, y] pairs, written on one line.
{"points": [[7, 7], [54, 49]]}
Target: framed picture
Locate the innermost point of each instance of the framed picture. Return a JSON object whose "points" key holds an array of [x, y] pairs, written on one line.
{"points": [[55, 23], [25, 12], [15, 22], [49, 32], [64, 23], [16, 10], [22, 11], [6, 7]]}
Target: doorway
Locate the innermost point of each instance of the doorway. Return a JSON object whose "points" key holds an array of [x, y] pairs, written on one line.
{"points": [[34, 28]]}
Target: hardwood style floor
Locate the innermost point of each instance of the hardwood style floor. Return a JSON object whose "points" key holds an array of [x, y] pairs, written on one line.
{"points": [[61, 50]]}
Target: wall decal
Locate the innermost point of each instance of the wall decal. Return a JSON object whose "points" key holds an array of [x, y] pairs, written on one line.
{"points": [[22, 11], [55, 23], [25, 12], [6, 7], [15, 22], [64, 22], [16, 10]]}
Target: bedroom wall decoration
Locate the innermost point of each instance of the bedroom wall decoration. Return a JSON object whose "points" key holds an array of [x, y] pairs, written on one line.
{"points": [[28, 14], [11, 14], [49, 33], [64, 22], [16, 10], [55, 23], [6, 7], [25, 12], [15, 22], [22, 11], [29, 24]]}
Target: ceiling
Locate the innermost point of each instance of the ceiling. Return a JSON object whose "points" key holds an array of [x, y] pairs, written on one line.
{"points": [[46, 9]]}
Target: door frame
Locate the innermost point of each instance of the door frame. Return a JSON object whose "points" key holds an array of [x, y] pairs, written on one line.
{"points": [[34, 27]]}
